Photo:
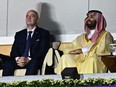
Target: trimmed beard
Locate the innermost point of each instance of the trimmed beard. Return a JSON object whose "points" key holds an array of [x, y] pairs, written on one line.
{"points": [[91, 24]]}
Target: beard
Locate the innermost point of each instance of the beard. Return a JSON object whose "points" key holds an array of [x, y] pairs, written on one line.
{"points": [[91, 24]]}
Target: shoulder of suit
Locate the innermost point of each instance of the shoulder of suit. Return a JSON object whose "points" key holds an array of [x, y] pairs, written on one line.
{"points": [[23, 30], [42, 29]]}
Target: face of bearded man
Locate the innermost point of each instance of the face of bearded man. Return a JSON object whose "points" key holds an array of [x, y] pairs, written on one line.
{"points": [[91, 24]]}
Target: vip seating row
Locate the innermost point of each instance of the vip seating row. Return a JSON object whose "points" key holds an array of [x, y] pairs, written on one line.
{"points": [[52, 58]]}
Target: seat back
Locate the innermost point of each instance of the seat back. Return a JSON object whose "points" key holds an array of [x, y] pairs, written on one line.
{"points": [[5, 49]]}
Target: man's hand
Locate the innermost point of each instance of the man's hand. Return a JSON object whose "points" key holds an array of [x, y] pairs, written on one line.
{"points": [[22, 61], [75, 52]]}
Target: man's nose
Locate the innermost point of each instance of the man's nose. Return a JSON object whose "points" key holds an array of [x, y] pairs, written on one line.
{"points": [[28, 17]]}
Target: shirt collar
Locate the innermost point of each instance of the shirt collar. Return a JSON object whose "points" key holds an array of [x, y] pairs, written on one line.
{"points": [[31, 29], [91, 33]]}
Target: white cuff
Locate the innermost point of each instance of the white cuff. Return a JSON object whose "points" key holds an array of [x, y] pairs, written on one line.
{"points": [[29, 58], [85, 50], [16, 58]]}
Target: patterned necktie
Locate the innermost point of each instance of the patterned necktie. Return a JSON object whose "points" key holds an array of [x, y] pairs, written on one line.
{"points": [[28, 44]]}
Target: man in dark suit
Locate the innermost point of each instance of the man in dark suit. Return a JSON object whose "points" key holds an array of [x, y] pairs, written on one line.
{"points": [[28, 55]]}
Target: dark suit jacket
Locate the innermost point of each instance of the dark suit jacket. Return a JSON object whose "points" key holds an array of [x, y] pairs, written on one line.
{"points": [[39, 47]]}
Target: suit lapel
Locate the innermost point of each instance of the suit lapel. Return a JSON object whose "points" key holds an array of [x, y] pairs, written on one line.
{"points": [[36, 35], [24, 36]]}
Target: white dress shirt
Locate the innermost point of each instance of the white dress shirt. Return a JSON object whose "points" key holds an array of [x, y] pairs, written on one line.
{"points": [[27, 36]]}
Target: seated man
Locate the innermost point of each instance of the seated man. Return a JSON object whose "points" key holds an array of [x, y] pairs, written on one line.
{"points": [[29, 48], [84, 50]]}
